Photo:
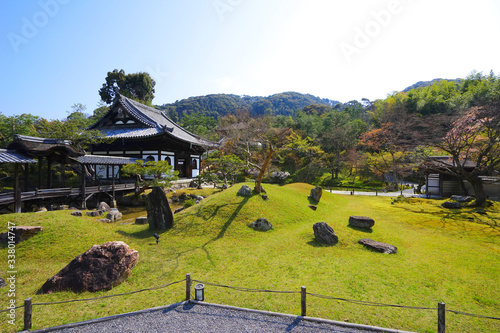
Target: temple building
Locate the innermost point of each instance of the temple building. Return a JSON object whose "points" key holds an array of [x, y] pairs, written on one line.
{"points": [[145, 133]]}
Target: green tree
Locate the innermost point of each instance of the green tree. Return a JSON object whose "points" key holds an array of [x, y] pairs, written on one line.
{"points": [[227, 166], [24, 124], [152, 173], [139, 86]]}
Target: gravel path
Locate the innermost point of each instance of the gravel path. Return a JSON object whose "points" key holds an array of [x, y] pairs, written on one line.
{"points": [[189, 317]]}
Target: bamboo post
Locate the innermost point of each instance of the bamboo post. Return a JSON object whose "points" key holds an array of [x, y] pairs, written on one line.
{"points": [[27, 313], [188, 287], [303, 307], [441, 317]]}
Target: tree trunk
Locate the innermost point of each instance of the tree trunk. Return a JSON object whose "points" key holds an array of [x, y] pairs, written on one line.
{"points": [[477, 185], [258, 187]]}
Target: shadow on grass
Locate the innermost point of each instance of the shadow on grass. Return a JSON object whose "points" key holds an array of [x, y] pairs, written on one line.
{"points": [[312, 201], [366, 230], [143, 234], [315, 243], [226, 225]]}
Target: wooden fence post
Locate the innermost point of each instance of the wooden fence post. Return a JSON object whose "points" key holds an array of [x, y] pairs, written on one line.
{"points": [[441, 317], [303, 307], [188, 287], [27, 313]]}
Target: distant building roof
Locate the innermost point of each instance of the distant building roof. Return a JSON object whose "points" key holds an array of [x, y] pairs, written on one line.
{"points": [[35, 146], [448, 161], [105, 160], [147, 122], [9, 156]]}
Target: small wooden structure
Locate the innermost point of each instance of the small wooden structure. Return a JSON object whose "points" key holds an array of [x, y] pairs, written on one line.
{"points": [[12, 157], [26, 150]]}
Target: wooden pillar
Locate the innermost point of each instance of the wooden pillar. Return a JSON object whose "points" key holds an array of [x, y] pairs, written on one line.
{"points": [[427, 194], [441, 317], [40, 161], [63, 175], [188, 287], [28, 310], [113, 201], [84, 187], [26, 174], [17, 190], [303, 307], [49, 173]]}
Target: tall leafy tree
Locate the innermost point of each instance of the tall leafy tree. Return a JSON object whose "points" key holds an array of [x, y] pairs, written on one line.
{"points": [[24, 124], [139, 86], [473, 143]]}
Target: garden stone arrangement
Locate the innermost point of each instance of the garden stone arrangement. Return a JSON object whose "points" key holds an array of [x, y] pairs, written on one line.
{"points": [[261, 224], [159, 213], [378, 246], [363, 222], [245, 191], [99, 268], [324, 234], [316, 193]]}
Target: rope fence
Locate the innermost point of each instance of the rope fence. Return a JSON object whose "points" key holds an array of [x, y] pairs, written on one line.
{"points": [[28, 304]]}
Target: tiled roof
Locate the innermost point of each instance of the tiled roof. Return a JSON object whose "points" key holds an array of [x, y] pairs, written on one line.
{"points": [[8, 156], [155, 121], [131, 132], [105, 160]]}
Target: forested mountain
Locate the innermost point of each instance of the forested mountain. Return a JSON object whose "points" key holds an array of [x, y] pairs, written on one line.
{"points": [[422, 84], [216, 105]]}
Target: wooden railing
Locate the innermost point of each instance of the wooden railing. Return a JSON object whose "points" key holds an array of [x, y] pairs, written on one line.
{"points": [[8, 198]]}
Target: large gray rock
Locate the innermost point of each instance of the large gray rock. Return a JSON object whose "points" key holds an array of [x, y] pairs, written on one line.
{"points": [[245, 191], [316, 193], [451, 205], [114, 215], [361, 222], [102, 267], [261, 224], [104, 207], [159, 213], [324, 234], [378, 246], [461, 198]]}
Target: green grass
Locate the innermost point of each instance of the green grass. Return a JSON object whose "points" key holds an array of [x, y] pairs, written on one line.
{"points": [[442, 256]]}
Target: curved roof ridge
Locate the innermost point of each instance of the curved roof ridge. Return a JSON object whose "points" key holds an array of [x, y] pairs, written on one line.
{"points": [[138, 114]]}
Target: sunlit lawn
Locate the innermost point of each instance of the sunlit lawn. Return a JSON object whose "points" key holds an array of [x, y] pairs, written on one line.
{"points": [[443, 255]]}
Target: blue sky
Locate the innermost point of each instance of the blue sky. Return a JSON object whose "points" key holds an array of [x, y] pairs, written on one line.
{"points": [[55, 53]]}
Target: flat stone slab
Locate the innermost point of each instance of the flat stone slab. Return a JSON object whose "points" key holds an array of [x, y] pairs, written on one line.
{"points": [[77, 213], [141, 220], [461, 198], [378, 246], [361, 222], [21, 232]]}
